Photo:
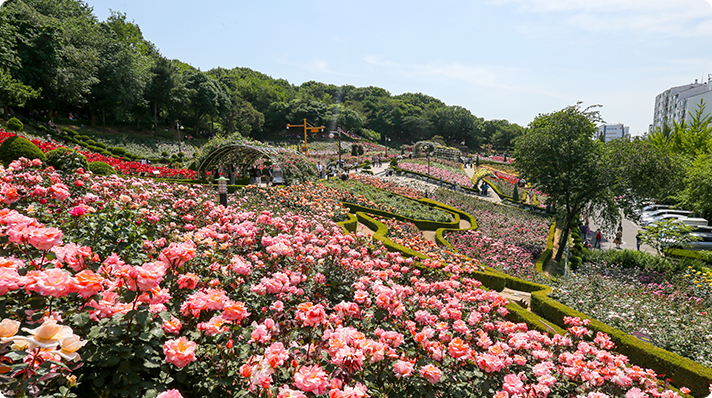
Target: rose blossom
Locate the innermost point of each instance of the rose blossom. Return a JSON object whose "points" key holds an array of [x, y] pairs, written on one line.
{"points": [[170, 394], [180, 352], [8, 328], [172, 326], [403, 369], [311, 379], [45, 238], [430, 373]]}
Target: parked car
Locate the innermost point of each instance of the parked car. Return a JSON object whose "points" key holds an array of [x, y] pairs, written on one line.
{"points": [[649, 218], [651, 221], [705, 242], [697, 222], [653, 207]]}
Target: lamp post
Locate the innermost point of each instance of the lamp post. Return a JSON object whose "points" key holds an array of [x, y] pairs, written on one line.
{"points": [[179, 130], [338, 133], [307, 127], [386, 140], [222, 190], [428, 148]]}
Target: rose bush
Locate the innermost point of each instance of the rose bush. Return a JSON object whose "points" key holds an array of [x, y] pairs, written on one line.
{"points": [[245, 300]]}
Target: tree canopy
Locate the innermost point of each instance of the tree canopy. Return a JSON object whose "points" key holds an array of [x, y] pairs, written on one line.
{"points": [[58, 57]]}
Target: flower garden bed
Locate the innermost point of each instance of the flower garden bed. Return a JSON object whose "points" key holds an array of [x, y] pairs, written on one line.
{"points": [[120, 165], [647, 304], [438, 171], [370, 196], [210, 301]]}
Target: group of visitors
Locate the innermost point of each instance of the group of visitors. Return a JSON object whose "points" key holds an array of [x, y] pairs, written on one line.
{"points": [[259, 175], [598, 237], [466, 162]]}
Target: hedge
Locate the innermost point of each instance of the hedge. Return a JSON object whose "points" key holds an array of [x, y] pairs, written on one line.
{"points": [[426, 225], [547, 314]]}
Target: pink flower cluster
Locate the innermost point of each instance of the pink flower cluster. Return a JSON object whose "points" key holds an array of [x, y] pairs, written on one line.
{"points": [[285, 296]]}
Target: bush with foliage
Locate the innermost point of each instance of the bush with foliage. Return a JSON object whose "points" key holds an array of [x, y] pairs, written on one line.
{"points": [[67, 159], [15, 125], [16, 147], [101, 168]]}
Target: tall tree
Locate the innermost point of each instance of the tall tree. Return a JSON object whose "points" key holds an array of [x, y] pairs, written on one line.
{"points": [[206, 96], [557, 155], [161, 87]]}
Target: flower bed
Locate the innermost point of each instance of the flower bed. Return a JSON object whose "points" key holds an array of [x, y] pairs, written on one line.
{"points": [[438, 171], [239, 301], [644, 302], [506, 224], [120, 165], [389, 185], [355, 192], [408, 235]]}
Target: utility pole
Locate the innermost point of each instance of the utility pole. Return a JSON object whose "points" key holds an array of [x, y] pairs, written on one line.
{"points": [[307, 127]]}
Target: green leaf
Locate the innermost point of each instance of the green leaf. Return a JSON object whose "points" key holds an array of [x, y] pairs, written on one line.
{"points": [[129, 296]]}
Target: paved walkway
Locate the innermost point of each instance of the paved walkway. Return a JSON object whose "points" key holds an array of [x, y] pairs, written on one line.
{"points": [[630, 229]]}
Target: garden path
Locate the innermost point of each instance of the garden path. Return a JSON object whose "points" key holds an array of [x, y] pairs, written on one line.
{"points": [[364, 229], [491, 194]]}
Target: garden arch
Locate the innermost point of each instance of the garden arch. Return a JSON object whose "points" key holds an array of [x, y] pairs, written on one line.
{"points": [[419, 147], [242, 155]]}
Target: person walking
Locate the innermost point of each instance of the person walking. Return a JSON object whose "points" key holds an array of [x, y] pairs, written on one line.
{"points": [[618, 239], [599, 237], [320, 169], [637, 241]]}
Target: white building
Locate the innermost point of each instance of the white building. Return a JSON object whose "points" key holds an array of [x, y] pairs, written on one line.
{"points": [[679, 103], [610, 132]]}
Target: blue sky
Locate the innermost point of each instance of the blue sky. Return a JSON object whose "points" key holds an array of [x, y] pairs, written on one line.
{"points": [[501, 59]]}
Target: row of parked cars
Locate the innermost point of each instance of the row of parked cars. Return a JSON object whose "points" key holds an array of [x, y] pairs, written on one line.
{"points": [[655, 213]]}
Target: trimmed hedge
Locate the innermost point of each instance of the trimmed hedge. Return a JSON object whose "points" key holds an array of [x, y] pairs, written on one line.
{"points": [[67, 159], [547, 314], [421, 224], [350, 224], [18, 147], [101, 168]]}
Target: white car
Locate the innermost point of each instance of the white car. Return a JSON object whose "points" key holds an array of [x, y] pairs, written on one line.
{"points": [[651, 208], [649, 218], [651, 221]]}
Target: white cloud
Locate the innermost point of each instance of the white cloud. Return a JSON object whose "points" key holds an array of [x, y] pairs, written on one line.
{"points": [[492, 77], [681, 18]]}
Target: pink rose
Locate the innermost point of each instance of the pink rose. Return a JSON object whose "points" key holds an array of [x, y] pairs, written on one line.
{"points": [[180, 352], [311, 379], [430, 373], [170, 394], [45, 238], [403, 369]]}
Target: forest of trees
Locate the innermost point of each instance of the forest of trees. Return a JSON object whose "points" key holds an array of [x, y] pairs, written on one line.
{"points": [[56, 56]]}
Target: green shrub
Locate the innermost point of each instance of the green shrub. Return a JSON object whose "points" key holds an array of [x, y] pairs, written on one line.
{"points": [[70, 131], [101, 168], [15, 125], [117, 150], [84, 137], [515, 194], [634, 259], [19, 147], [100, 145], [67, 159], [394, 162]]}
